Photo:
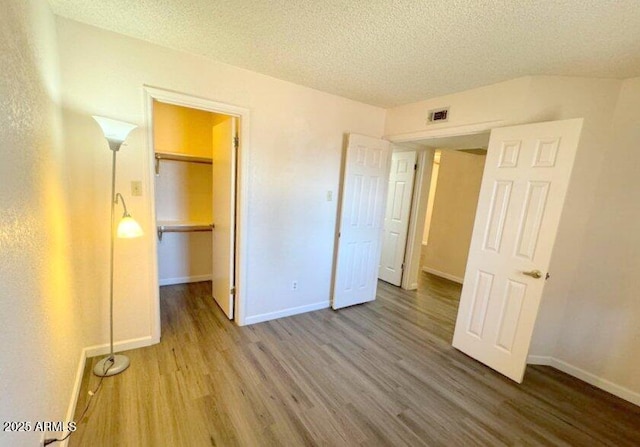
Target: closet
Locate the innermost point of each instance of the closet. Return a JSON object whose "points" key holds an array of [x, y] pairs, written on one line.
{"points": [[194, 154]]}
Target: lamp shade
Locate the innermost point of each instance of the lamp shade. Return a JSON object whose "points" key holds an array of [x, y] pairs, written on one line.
{"points": [[114, 131], [128, 228]]}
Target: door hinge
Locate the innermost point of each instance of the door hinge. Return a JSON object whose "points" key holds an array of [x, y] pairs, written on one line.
{"points": [[232, 291], [402, 266], [415, 167], [236, 142]]}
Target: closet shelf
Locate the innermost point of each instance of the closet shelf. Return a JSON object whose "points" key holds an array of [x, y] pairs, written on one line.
{"points": [[182, 227], [179, 157]]}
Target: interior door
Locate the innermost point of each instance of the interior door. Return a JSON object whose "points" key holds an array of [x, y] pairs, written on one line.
{"points": [[224, 202], [521, 198], [361, 212], [396, 216]]}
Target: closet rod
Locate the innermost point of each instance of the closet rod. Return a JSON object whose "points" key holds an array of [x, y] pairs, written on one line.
{"points": [[183, 228], [179, 157]]}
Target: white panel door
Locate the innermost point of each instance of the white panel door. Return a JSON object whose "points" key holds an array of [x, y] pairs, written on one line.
{"points": [[364, 192], [396, 216], [224, 202], [521, 198]]}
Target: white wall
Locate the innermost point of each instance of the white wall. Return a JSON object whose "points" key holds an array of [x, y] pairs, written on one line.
{"points": [[581, 324], [555, 98], [295, 144], [40, 316], [484, 104], [600, 331]]}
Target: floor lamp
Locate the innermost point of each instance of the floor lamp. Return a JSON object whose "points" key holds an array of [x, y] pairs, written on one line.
{"points": [[115, 132]]}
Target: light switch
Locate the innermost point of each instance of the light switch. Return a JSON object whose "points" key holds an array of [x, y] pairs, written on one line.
{"points": [[329, 196], [136, 188]]}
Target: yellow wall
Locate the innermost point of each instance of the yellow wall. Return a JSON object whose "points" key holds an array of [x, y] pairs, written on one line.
{"points": [[433, 185], [184, 191], [181, 130], [454, 211]]}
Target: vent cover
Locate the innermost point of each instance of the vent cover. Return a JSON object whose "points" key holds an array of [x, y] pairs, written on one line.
{"points": [[438, 115]]}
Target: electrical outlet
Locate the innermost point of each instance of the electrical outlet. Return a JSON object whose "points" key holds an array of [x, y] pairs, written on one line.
{"points": [[136, 188], [329, 196], [294, 285]]}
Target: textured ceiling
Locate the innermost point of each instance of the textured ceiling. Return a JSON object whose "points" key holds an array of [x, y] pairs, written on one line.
{"points": [[386, 52]]}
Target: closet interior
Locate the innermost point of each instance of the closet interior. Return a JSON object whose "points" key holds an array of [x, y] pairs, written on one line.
{"points": [[194, 187]]}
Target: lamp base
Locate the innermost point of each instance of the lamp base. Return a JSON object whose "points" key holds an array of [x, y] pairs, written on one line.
{"points": [[111, 365]]}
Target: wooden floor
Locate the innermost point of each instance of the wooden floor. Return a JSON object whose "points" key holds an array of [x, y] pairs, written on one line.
{"points": [[377, 374]]}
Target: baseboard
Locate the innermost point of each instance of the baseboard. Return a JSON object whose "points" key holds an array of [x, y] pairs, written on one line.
{"points": [[125, 345], [585, 376], [442, 274], [75, 392], [183, 280], [92, 351], [286, 313], [539, 360]]}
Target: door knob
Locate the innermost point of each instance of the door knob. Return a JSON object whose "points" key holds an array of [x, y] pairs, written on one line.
{"points": [[534, 274]]}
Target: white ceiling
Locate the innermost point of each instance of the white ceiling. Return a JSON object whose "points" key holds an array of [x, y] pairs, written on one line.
{"points": [[387, 53]]}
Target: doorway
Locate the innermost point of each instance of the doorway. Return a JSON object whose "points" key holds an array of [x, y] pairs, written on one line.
{"points": [[518, 211], [457, 202], [197, 165], [454, 187], [452, 198]]}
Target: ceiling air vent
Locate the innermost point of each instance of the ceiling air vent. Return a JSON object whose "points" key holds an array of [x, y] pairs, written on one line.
{"points": [[438, 115]]}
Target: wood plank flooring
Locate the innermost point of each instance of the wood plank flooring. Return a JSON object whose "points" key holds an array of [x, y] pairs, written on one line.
{"points": [[378, 374]]}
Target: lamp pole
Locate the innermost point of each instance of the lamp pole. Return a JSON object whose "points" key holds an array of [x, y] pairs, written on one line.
{"points": [[112, 364], [115, 132], [111, 254]]}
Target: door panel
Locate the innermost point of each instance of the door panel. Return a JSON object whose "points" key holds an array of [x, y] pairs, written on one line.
{"points": [[362, 205], [224, 197], [396, 219], [521, 198]]}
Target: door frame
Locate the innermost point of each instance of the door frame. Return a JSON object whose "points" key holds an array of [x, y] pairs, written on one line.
{"points": [[422, 182], [150, 94]]}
